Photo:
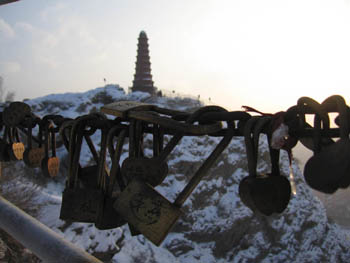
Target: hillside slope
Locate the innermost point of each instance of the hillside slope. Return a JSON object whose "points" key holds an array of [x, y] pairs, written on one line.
{"points": [[216, 226]]}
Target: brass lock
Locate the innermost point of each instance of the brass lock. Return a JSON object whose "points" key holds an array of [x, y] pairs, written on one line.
{"points": [[150, 212]]}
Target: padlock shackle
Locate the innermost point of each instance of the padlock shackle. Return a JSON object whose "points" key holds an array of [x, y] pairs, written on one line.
{"points": [[306, 105], [263, 123], [249, 145], [53, 141], [114, 131], [132, 138], [75, 144], [47, 125], [202, 171], [30, 134], [158, 139], [115, 173], [178, 136], [337, 103], [62, 131], [101, 176]]}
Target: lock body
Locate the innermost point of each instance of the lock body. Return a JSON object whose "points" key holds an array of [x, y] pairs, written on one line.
{"points": [[80, 205], [150, 170], [147, 210]]}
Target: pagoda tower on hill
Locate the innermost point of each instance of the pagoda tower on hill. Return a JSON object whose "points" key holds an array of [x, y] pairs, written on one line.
{"points": [[143, 77]]}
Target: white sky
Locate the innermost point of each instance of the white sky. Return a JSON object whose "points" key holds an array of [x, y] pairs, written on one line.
{"points": [[265, 54]]}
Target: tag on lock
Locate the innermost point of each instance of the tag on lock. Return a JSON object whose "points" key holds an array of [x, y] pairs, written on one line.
{"points": [[15, 148], [18, 150], [151, 213]]}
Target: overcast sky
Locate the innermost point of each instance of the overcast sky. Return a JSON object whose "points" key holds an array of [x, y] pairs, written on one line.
{"points": [[265, 54]]}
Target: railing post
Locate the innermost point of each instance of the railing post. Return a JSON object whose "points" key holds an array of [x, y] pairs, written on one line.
{"points": [[41, 240]]}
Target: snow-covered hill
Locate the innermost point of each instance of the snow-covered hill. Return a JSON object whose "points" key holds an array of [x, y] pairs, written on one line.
{"points": [[216, 226]]}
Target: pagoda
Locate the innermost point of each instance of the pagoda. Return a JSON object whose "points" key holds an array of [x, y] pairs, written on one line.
{"points": [[143, 77]]}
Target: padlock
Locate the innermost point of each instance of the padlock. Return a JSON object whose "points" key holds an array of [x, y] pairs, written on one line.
{"points": [[108, 217], [151, 213], [50, 165], [32, 156], [86, 175], [15, 113], [79, 204], [154, 170], [327, 170], [265, 193]]}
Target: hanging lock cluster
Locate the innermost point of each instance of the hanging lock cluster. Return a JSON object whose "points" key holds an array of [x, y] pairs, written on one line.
{"points": [[124, 191]]}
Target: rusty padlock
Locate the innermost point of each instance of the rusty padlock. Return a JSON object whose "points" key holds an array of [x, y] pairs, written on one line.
{"points": [[79, 203], [328, 169], [153, 170], [150, 212], [108, 217], [266, 193], [86, 175], [15, 113]]}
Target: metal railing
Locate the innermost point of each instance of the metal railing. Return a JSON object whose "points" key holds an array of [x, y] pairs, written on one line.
{"points": [[41, 240]]}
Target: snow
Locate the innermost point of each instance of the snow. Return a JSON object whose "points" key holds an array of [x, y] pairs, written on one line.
{"points": [[216, 226]]}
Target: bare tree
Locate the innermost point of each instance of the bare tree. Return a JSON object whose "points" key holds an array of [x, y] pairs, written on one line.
{"points": [[5, 95], [1, 88]]}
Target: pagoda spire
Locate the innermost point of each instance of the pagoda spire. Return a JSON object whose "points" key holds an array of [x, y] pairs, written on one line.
{"points": [[143, 77]]}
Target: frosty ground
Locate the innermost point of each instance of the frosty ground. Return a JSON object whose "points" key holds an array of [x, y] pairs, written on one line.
{"points": [[216, 226]]}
